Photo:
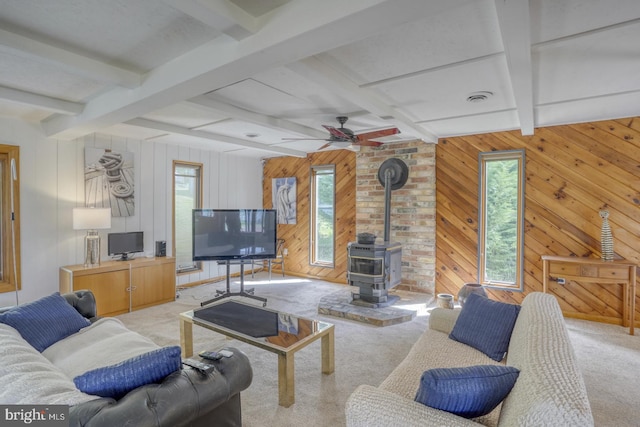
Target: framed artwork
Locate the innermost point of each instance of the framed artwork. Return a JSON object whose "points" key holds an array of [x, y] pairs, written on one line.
{"points": [[283, 196], [109, 181]]}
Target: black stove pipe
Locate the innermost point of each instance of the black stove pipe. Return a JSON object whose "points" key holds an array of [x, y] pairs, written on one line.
{"points": [[387, 205]]}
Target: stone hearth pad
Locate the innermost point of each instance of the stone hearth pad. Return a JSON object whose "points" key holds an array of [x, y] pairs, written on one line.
{"points": [[338, 304]]}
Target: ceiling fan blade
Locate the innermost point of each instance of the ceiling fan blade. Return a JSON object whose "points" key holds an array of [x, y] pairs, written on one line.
{"points": [[367, 143], [324, 146], [377, 134], [337, 133], [304, 139]]}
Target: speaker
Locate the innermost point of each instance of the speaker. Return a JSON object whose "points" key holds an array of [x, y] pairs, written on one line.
{"points": [[161, 248]]}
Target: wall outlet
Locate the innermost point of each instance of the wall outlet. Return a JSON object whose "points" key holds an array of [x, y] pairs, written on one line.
{"points": [[285, 251], [561, 281]]}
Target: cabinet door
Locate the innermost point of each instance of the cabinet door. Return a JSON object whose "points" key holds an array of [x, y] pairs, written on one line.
{"points": [[110, 290], [152, 284]]}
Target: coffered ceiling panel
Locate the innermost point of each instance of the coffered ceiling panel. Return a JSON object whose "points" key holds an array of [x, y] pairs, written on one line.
{"points": [[453, 35], [593, 65], [138, 35], [552, 20], [443, 93], [474, 124], [22, 73]]}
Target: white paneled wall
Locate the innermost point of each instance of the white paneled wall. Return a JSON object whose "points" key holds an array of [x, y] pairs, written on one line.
{"points": [[52, 184]]}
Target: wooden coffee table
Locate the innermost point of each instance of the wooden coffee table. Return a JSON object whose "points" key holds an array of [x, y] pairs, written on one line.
{"points": [[290, 334]]}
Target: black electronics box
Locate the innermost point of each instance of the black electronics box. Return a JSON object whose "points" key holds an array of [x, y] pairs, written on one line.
{"points": [[161, 248]]}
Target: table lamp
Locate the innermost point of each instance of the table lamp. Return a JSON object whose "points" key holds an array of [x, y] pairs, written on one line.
{"points": [[92, 220]]}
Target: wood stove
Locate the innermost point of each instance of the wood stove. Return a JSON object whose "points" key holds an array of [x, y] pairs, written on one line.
{"points": [[374, 269]]}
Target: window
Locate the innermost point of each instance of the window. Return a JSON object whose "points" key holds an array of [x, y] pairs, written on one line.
{"points": [[501, 219], [9, 219], [322, 216], [187, 195]]}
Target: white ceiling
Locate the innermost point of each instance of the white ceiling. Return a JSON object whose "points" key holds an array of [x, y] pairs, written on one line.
{"points": [[241, 75]]}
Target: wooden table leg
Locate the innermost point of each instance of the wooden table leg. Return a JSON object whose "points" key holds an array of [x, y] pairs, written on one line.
{"points": [[625, 306], [286, 380], [186, 338], [545, 276], [632, 300], [328, 352]]}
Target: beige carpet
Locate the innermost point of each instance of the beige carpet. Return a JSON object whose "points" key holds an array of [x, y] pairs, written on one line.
{"points": [[609, 357]]}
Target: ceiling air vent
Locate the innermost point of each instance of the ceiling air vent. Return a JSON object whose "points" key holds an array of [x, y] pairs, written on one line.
{"points": [[479, 96]]}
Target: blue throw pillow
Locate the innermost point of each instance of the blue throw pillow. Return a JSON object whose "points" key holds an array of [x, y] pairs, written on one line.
{"points": [[117, 380], [486, 325], [45, 321], [468, 392]]}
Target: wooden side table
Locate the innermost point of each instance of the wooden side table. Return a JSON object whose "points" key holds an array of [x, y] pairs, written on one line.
{"points": [[592, 270]]}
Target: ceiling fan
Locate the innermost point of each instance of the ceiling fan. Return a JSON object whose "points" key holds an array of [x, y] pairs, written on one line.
{"points": [[346, 137]]}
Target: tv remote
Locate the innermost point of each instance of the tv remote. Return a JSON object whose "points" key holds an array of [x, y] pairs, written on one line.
{"points": [[203, 368], [210, 355]]}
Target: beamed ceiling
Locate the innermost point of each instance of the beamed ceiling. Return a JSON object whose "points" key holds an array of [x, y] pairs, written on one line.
{"points": [[241, 75]]}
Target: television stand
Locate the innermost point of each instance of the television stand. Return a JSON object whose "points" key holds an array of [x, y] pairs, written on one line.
{"points": [[227, 293]]}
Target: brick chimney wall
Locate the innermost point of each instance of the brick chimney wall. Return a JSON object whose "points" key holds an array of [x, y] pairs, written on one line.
{"points": [[413, 208]]}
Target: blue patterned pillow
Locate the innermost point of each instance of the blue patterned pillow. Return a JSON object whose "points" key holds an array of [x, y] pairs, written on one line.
{"points": [[117, 380], [486, 325], [468, 392], [45, 321]]}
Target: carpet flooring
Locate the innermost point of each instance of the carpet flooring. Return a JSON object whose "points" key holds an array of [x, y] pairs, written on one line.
{"points": [[364, 354]]}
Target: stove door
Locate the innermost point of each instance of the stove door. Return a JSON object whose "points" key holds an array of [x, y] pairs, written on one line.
{"points": [[366, 266]]}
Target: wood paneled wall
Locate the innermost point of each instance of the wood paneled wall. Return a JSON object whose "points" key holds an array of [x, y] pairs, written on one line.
{"points": [[572, 172], [297, 235]]}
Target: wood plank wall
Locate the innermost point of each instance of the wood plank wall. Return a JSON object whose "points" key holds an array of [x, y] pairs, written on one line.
{"points": [[572, 172], [297, 235]]}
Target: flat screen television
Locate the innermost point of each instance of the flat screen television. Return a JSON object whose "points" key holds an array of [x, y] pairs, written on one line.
{"points": [[125, 244], [234, 234]]}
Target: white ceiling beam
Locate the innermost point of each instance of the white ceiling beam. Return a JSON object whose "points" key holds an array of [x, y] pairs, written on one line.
{"points": [[319, 72], [205, 101], [293, 31], [41, 101], [515, 27], [222, 15], [71, 62], [165, 127]]}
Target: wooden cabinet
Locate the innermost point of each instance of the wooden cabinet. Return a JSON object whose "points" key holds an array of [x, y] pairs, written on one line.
{"points": [[145, 280], [123, 286]]}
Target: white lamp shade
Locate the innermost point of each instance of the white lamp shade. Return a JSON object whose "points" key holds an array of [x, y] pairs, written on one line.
{"points": [[91, 218]]}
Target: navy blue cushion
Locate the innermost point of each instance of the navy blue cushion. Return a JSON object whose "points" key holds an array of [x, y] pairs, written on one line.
{"points": [[468, 392], [117, 380], [486, 325], [45, 321]]}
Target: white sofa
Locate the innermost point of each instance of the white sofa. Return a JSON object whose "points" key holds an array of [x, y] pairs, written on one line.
{"points": [[549, 390]]}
